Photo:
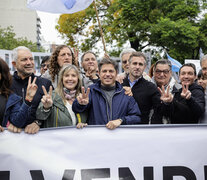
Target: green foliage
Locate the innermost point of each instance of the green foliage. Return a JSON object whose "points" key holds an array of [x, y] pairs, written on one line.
{"points": [[174, 26], [9, 41]]}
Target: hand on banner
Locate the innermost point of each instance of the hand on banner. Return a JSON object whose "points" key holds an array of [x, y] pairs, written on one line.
{"points": [[76, 53], [32, 128], [14, 129], [83, 98], [1, 129], [81, 125], [166, 97], [185, 92], [31, 89], [114, 124], [47, 98], [128, 90]]}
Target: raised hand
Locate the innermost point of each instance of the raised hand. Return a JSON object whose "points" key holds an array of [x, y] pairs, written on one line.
{"points": [[76, 52], [185, 92], [166, 97], [83, 98], [91, 72], [31, 89], [47, 98]]}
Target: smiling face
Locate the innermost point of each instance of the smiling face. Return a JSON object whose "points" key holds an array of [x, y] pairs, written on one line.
{"points": [[108, 75], [70, 79], [187, 75], [64, 57], [24, 63], [125, 62]]}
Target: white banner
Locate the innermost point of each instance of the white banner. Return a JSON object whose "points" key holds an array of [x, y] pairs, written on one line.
{"points": [[139, 152]]}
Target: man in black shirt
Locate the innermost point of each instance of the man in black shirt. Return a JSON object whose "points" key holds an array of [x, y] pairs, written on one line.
{"points": [[144, 92]]}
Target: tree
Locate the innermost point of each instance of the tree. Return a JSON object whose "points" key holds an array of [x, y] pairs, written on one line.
{"points": [[174, 26], [9, 41]]}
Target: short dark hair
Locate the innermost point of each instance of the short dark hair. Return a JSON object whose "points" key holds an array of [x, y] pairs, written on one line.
{"points": [[45, 59], [189, 65], [88, 52], [137, 54], [107, 61], [163, 61]]}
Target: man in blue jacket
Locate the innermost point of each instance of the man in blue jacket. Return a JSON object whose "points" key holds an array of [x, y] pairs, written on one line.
{"points": [[106, 101]]}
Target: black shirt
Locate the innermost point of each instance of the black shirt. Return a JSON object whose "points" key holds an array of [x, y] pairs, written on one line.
{"points": [[3, 101]]}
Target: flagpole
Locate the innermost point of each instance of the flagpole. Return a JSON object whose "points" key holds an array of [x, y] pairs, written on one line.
{"points": [[100, 28]]}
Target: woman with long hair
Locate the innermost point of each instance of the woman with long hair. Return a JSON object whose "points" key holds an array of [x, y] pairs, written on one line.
{"points": [[62, 55], [56, 107], [13, 109]]}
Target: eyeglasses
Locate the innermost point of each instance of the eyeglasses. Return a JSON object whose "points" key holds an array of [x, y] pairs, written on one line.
{"points": [[43, 65], [164, 71]]}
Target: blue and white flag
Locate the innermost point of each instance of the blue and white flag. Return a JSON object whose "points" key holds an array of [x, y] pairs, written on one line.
{"points": [[59, 6], [175, 64]]}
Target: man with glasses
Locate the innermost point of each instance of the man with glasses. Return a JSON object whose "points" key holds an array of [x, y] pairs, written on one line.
{"points": [[144, 92], [184, 105], [45, 64]]}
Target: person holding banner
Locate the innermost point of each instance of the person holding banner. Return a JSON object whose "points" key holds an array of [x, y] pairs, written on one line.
{"points": [[188, 103], [106, 101], [14, 113], [56, 107], [62, 55]]}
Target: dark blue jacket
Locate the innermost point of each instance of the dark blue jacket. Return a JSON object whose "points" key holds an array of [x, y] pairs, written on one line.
{"points": [[123, 107], [19, 87], [16, 112]]}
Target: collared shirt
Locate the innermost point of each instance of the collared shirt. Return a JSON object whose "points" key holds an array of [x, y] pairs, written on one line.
{"points": [[133, 83]]}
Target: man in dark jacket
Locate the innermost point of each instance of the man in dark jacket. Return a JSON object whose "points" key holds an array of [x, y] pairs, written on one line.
{"points": [[24, 63], [107, 103], [144, 92], [188, 103]]}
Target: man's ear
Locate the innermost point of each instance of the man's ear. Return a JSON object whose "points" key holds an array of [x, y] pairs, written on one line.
{"points": [[14, 64]]}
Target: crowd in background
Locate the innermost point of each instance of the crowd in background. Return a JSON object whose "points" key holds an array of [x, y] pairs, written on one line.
{"points": [[73, 93]]}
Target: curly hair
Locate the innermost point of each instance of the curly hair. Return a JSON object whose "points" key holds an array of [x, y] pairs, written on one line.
{"points": [[59, 90], [54, 66], [6, 79]]}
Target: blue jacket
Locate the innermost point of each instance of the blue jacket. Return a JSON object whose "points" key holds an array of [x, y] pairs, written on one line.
{"points": [[123, 107], [16, 112]]}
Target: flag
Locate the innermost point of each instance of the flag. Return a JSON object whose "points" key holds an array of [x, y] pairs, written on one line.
{"points": [[175, 64], [59, 6], [201, 53]]}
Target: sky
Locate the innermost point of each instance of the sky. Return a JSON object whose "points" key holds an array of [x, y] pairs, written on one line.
{"points": [[48, 31]]}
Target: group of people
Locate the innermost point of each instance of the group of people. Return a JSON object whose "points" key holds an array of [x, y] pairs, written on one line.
{"points": [[67, 95]]}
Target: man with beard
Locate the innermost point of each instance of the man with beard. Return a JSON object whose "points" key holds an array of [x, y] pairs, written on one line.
{"points": [[24, 64], [144, 92]]}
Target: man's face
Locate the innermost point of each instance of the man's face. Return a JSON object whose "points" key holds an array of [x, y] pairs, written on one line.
{"points": [[187, 76], [64, 57], [202, 82], [162, 74], [108, 75], [204, 68], [89, 61], [136, 67], [24, 63], [44, 67], [125, 62]]}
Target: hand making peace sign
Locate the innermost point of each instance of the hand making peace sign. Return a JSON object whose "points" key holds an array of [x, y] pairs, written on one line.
{"points": [[47, 98], [83, 98], [166, 97], [185, 92], [31, 89]]}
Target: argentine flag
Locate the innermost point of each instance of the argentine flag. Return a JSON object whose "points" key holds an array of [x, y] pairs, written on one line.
{"points": [[59, 6], [175, 64]]}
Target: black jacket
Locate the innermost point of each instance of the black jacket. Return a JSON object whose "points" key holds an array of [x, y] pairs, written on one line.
{"points": [[19, 87], [184, 111], [147, 97]]}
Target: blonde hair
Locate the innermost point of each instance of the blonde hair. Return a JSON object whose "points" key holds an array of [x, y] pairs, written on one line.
{"points": [[59, 90]]}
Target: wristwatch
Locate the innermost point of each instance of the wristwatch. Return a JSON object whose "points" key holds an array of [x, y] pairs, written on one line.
{"points": [[39, 123]]}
